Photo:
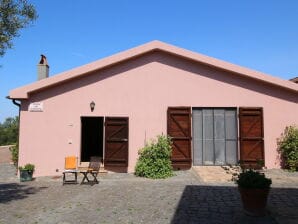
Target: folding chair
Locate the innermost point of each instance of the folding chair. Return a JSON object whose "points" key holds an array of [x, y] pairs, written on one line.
{"points": [[93, 170], [71, 165]]}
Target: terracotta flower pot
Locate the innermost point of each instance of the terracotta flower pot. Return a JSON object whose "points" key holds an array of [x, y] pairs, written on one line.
{"points": [[254, 200]]}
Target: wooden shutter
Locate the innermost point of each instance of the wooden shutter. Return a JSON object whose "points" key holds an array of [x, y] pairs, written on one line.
{"points": [[251, 137], [179, 128], [116, 141]]}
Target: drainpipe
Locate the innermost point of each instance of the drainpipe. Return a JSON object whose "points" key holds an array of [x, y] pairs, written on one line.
{"points": [[18, 104]]}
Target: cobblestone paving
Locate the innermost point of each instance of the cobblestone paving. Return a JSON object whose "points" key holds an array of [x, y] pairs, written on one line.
{"points": [[7, 173], [123, 198]]}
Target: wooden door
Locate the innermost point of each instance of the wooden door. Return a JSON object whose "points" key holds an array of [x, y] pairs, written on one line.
{"points": [[179, 128], [251, 137], [116, 142]]}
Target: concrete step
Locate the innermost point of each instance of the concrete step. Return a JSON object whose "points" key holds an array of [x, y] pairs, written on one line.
{"points": [[102, 170]]}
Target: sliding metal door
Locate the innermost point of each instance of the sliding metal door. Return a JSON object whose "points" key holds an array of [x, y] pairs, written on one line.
{"points": [[214, 136]]}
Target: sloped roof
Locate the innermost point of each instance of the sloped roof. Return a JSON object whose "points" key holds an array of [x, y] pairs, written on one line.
{"points": [[24, 92]]}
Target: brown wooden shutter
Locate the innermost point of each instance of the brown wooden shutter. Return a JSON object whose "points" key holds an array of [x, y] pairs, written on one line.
{"points": [[116, 142], [179, 128], [251, 137]]}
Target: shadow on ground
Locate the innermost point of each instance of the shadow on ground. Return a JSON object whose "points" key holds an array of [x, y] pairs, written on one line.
{"points": [[15, 191], [222, 204]]}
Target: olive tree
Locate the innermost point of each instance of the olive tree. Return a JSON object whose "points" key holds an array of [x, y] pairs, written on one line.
{"points": [[14, 15]]}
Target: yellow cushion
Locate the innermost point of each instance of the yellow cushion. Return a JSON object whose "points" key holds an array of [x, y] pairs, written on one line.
{"points": [[70, 162]]}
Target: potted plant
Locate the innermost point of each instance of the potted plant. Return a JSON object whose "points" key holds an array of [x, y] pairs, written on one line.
{"points": [[26, 172], [254, 190]]}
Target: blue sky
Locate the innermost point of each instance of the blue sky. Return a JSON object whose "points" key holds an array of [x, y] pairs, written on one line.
{"points": [[261, 35]]}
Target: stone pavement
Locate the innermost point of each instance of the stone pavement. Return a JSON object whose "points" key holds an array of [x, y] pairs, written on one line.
{"points": [[124, 198], [5, 154], [213, 174], [219, 175]]}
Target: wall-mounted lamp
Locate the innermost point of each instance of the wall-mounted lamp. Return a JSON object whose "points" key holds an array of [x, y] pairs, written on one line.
{"points": [[92, 106]]}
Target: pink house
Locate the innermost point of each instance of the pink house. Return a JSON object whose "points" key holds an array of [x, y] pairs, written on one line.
{"points": [[217, 112]]}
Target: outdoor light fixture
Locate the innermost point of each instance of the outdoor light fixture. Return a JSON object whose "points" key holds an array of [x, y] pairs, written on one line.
{"points": [[92, 106]]}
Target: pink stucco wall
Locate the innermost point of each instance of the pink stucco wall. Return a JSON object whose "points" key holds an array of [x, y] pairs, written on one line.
{"points": [[142, 89]]}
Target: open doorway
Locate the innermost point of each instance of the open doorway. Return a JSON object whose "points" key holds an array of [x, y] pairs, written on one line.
{"points": [[91, 137]]}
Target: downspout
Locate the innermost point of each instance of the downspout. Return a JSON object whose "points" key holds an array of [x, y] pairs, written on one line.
{"points": [[14, 101]]}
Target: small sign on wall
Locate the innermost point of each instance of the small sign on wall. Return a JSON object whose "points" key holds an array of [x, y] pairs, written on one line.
{"points": [[36, 107]]}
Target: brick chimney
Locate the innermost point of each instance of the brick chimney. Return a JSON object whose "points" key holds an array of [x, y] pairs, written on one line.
{"points": [[42, 68]]}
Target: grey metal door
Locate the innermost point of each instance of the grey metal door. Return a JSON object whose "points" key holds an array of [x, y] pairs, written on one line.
{"points": [[214, 136]]}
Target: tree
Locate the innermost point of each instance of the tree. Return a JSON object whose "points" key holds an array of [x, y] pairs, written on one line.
{"points": [[9, 131], [14, 15]]}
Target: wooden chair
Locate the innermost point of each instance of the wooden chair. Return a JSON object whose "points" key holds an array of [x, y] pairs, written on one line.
{"points": [[93, 170], [71, 166]]}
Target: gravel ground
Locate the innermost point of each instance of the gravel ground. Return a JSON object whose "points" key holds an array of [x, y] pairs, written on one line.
{"points": [[124, 198]]}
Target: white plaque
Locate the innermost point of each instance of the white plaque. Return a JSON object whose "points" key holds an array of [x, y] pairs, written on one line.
{"points": [[36, 107]]}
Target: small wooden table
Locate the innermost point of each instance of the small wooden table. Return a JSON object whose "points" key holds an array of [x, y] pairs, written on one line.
{"points": [[75, 181]]}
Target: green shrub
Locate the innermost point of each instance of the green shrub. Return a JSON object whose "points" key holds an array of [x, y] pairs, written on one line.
{"points": [[30, 167], [288, 147], [15, 154], [253, 179], [155, 159]]}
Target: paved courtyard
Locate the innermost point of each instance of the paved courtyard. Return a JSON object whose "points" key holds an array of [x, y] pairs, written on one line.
{"points": [[5, 154], [124, 198]]}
